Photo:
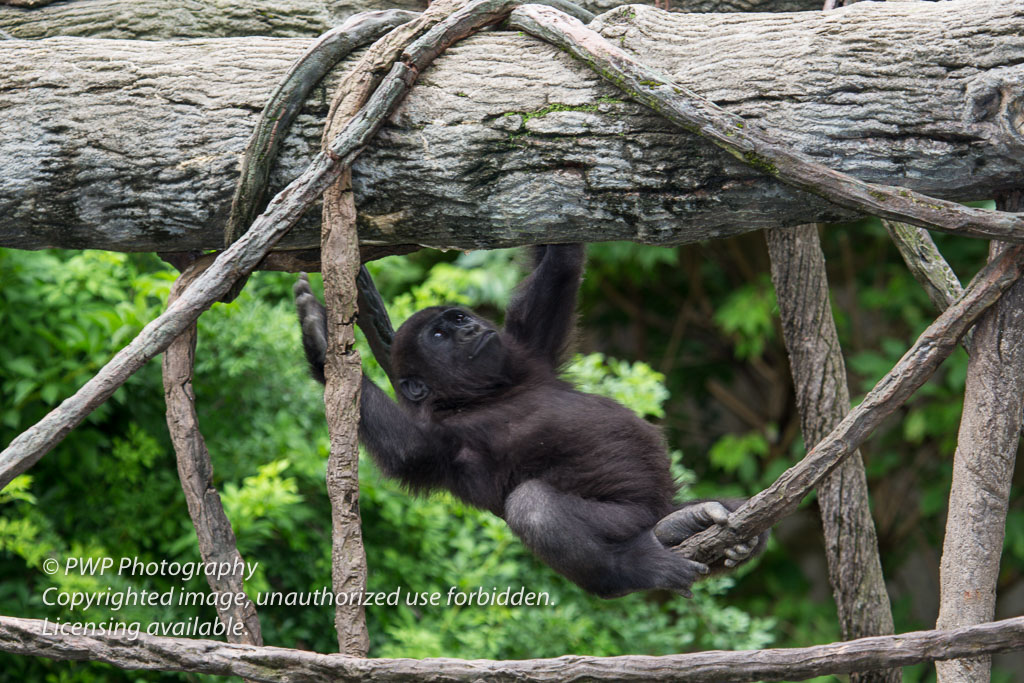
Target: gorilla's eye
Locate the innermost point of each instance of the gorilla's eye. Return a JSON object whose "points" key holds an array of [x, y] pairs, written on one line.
{"points": [[438, 333]]}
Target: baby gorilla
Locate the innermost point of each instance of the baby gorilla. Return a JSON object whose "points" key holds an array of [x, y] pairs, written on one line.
{"points": [[482, 413]]}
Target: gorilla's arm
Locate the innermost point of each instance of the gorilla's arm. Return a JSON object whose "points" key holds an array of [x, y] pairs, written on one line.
{"points": [[421, 457], [540, 315], [313, 321]]}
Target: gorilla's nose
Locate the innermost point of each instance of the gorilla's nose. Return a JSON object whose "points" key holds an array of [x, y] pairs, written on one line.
{"points": [[467, 332]]}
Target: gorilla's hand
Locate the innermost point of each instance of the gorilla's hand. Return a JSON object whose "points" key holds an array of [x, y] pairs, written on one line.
{"points": [[313, 319]]}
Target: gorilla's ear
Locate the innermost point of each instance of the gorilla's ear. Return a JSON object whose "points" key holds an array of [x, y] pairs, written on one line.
{"points": [[413, 389]]}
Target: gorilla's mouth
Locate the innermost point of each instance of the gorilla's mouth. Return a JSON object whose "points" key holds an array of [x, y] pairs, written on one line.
{"points": [[483, 340]]}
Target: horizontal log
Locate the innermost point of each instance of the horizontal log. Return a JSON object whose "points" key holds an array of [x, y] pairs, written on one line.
{"points": [[147, 652], [168, 19], [506, 140]]}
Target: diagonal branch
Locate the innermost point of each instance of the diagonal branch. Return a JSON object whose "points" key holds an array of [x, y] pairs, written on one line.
{"points": [[928, 266], [747, 142], [926, 263], [283, 212], [916, 366], [287, 101]]}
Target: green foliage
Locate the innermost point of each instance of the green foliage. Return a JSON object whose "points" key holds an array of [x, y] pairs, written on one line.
{"points": [[626, 258], [747, 315], [740, 455], [635, 385]]}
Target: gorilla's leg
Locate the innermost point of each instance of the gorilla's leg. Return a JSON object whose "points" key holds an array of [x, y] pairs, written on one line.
{"points": [[607, 548]]}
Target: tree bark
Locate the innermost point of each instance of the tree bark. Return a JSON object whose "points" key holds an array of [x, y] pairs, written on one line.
{"points": [[982, 470], [926, 264], [280, 665], [823, 399], [168, 19], [507, 141], [235, 262]]}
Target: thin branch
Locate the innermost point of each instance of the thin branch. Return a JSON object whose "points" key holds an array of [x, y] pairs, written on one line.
{"points": [[280, 665], [930, 349], [195, 469], [284, 105], [343, 372], [339, 247], [236, 262], [926, 263], [745, 140]]}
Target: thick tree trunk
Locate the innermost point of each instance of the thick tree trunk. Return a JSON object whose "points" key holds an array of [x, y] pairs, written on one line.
{"points": [[508, 141], [163, 19], [982, 470], [823, 398]]}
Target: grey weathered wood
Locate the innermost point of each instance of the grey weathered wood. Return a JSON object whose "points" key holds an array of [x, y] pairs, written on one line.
{"points": [[823, 399], [927, 265], [168, 19], [986, 450], [286, 102], [280, 665], [507, 141], [163, 19]]}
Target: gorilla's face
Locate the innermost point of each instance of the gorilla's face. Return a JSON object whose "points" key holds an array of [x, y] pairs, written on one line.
{"points": [[448, 353]]}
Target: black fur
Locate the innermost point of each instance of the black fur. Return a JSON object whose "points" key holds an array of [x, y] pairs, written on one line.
{"points": [[482, 413]]}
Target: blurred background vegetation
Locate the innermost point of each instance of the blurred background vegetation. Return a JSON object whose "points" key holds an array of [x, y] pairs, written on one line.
{"points": [[687, 337]]}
